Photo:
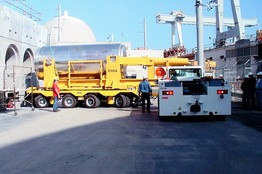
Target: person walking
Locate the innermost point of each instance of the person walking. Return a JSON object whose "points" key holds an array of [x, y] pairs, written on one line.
{"points": [[145, 91], [56, 95], [252, 86], [259, 90]]}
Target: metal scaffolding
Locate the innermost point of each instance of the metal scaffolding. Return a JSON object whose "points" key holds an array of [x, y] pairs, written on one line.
{"points": [[13, 85]]}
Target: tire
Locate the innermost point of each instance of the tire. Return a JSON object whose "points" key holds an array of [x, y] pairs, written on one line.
{"points": [[128, 101], [120, 101], [41, 102], [137, 102], [68, 101], [91, 101]]}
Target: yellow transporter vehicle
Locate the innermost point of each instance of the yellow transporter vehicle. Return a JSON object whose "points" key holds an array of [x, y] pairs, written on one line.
{"points": [[78, 84]]}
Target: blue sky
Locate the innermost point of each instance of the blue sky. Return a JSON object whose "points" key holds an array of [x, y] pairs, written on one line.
{"points": [[124, 18]]}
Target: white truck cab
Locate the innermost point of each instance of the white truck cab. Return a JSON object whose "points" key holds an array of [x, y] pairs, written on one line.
{"points": [[191, 95]]}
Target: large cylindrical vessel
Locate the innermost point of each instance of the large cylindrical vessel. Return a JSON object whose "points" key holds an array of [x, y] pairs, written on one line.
{"points": [[63, 53]]}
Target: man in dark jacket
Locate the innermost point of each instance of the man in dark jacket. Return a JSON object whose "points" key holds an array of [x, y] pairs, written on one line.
{"points": [[145, 91], [252, 86], [246, 93], [259, 90]]}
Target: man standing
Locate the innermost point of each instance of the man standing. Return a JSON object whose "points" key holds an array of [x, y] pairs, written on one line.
{"points": [[145, 91], [56, 95], [245, 86], [259, 90], [252, 87]]}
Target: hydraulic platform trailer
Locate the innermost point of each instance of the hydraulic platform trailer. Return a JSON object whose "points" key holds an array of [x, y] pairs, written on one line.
{"points": [[80, 82]]}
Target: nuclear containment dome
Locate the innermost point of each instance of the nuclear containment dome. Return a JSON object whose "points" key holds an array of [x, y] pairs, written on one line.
{"points": [[69, 30]]}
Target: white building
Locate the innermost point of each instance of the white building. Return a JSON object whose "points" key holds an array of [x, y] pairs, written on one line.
{"points": [[20, 37]]}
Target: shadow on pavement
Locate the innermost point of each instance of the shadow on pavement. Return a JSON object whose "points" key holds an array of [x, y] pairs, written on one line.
{"points": [[138, 143], [251, 118]]}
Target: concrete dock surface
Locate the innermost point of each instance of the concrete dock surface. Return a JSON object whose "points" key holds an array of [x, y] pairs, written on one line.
{"points": [[125, 140]]}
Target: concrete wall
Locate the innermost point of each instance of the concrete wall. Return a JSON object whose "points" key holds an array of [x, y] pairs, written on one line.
{"points": [[216, 56], [20, 37]]}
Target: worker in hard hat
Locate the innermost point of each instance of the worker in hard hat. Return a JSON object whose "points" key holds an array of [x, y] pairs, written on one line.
{"points": [[259, 90], [56, 95], [145, 91], [221, 77], [252, 86]]}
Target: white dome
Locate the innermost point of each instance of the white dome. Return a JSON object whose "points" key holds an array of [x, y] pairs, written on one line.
{"points": [[72, 31]]}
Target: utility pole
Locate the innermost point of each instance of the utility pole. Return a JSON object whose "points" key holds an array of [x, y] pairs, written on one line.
{"points": [[199, 28], [59, 23], [145, 39]]}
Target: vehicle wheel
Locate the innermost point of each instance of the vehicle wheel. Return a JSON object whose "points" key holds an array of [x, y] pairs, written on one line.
{"points": [[128, 101], [40, 102], [68, 101], [137, 102], [91, 101], [120, 101]]}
